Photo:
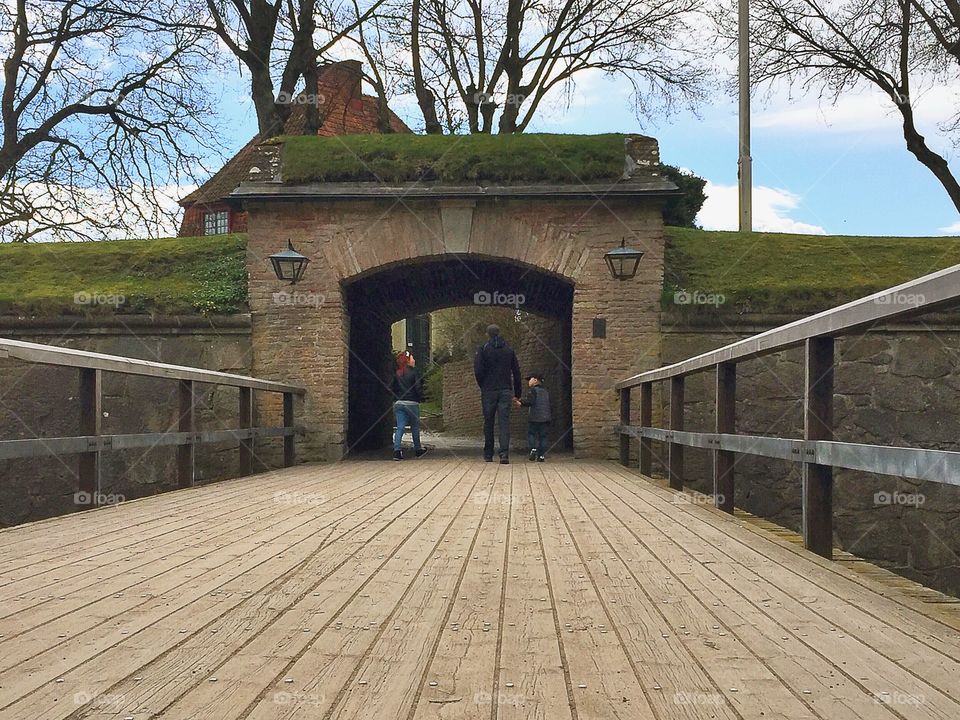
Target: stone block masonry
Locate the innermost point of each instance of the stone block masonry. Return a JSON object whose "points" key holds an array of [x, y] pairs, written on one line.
{"points": [[307, 339]]}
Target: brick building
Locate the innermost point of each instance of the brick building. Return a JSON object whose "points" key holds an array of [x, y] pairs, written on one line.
{"points": [[343, 109], [382, 252]]}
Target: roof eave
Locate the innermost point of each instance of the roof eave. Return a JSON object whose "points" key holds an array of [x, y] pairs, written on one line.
{"points": [[372, 191]]}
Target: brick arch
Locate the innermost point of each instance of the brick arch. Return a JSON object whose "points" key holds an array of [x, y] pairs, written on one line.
{"points": [[349, 239]]}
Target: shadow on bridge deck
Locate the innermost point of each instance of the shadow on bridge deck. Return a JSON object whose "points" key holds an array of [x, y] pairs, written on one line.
{"points": [[450, 588]]}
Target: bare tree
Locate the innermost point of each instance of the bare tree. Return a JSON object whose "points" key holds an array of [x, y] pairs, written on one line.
{"points": [[831, 47], [488, 67], [277, 39], [100, 108]]}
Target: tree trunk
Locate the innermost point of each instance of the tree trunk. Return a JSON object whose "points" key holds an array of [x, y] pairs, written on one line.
{"points": [[933, 161], [425, 98]]}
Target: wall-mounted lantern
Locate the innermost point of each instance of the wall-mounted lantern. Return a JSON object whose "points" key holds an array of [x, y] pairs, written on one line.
{"points": [[289, 264], [623, 261]]}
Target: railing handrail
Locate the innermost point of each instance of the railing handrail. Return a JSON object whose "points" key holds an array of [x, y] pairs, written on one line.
{"points": [[69, 357], [928, 293], [90, 443], [817, 451]]}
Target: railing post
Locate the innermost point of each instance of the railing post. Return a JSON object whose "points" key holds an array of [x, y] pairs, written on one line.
{"points": [[726, 422], [646, 420], [91, 422], [675, 458], [246, 422], [185, 453], [289, 441], [818, 425], [624, 421]]}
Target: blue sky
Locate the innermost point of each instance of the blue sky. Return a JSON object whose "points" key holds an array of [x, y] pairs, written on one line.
{"points": [[840, 169]]}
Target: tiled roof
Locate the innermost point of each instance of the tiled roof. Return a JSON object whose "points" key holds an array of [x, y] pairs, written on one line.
{"points": [[343, 110]]}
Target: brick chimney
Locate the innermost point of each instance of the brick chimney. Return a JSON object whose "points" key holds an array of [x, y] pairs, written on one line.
{"points": [[346, 76]]}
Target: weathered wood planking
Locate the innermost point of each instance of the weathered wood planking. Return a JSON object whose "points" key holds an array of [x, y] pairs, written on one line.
{"points": [[451, 589]]}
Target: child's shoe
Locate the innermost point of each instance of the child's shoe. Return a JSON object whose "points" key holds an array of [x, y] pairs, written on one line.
{"points": [[541, 458], [533, 454]]}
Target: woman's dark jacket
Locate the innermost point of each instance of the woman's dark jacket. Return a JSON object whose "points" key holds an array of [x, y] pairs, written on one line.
{"points": [[407, 386]]}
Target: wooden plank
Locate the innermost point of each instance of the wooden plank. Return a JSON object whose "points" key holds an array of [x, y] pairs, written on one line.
{"points": [[396, 665], [675, 451], [757, 668], [289, 442], [153, 631], [274, 626], [246, 421], [646, 420], [817, 491], [91, 422], [357, 611], [624, 420], [678, 682], [58, 614], [532, 675], [458, 681], [596, 667], [874, 653], [186, 454], [726, 422]]}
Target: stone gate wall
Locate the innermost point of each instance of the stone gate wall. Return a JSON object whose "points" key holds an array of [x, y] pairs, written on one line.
{"points": [[306, 336]]}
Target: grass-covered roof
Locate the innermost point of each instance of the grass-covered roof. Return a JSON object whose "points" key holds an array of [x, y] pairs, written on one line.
{"points": [[454, 159], [170, 276], [781, 273]]}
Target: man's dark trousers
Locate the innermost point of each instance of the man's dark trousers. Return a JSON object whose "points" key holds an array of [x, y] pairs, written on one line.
{"points": [[496, 402]]}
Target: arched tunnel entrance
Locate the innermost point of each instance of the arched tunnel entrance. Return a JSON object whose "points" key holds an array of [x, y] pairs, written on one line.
{"points": [[378, 298]]}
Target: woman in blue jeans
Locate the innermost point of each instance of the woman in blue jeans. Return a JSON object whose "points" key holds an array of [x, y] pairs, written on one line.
{"points": [[407, 395]]}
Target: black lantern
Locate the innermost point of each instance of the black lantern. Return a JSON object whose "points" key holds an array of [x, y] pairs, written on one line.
{"points": [[623, 261], [289, 264]]}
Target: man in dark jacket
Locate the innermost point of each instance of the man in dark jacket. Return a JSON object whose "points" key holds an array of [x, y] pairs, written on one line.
{"points": [[498, 375]]}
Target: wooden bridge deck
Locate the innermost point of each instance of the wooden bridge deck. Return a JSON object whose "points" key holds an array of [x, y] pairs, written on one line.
{"points": [[448, 588]]}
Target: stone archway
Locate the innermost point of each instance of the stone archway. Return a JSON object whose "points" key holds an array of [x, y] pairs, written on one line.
{"points": [[562, 232], [377, 299]]}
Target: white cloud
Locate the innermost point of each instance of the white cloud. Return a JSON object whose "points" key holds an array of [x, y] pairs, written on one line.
{"points": [[771, 210], [951, 229], [867, 111]]}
